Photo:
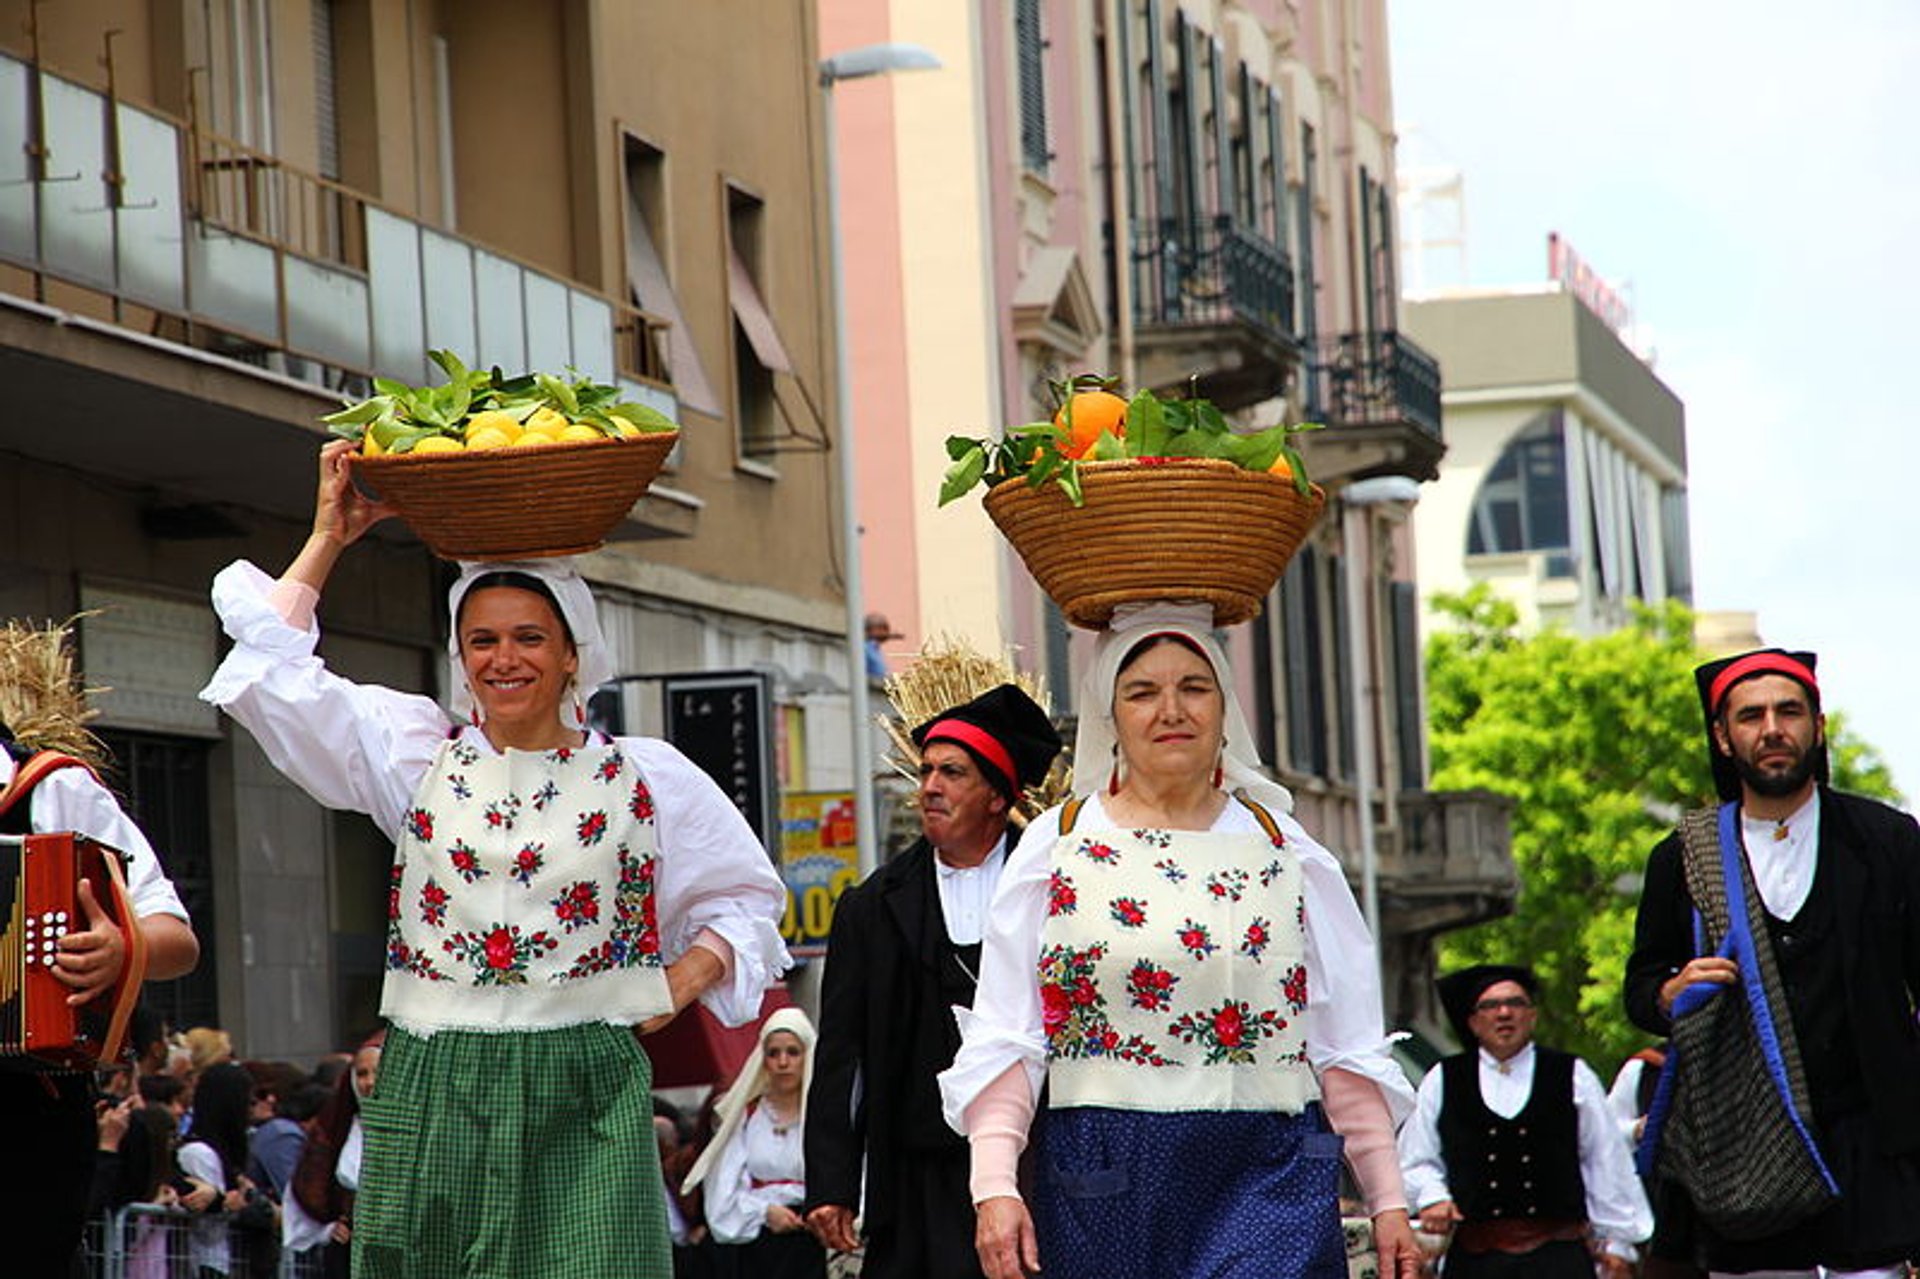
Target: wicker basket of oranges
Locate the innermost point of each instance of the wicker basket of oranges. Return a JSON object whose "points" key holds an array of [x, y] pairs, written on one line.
{"points": [[487, 467], [1162, 500]]}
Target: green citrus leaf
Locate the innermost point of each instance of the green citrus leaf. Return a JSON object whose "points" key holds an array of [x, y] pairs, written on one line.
{"points": [[963, 474]]}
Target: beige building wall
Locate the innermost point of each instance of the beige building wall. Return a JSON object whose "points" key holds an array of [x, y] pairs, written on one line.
{"points": [[952, 373]]}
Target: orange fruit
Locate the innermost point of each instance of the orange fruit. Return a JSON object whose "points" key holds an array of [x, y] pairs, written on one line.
{"points": [[1280, 468], [1088, 416]]}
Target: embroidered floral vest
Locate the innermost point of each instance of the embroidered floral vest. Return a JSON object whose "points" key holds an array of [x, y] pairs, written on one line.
{"points": [[522, 894], [1173, 972]]}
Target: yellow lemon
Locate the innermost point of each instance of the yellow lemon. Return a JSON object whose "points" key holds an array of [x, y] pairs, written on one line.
{"points": [[582, 431], [370, 447], [492, 420], [489, 437], [532, 439], [627, 429], [438, 444], [546, 419]]}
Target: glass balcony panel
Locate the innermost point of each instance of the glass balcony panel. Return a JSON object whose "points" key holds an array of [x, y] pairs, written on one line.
{"points": [[230, 282], [17, 196], [592, 337], [549, 348], [327, 313], [76, 225], [399, 317], [152, 252], [447, 272], [501, 320]]}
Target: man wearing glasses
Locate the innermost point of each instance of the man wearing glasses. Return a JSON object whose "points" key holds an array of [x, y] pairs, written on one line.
{"points": [[1511, 1148]]}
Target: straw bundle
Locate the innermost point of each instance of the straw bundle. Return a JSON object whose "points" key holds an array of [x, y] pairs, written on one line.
{"points": [[42, 702], [946, 673]]}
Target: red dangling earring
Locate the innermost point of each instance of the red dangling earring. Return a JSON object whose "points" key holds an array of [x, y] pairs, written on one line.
{"points": [[1219, 775], [1113, 780]]}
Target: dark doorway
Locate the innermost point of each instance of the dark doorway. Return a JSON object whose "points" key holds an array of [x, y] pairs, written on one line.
{"points": [[162, 782]]}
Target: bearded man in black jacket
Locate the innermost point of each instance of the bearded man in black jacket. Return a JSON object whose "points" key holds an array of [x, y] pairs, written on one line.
{"points": [[904, 950], [1837, 877]]}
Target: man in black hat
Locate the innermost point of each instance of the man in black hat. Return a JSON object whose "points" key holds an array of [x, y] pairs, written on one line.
{"points": [[905, 948], [1511, 1146], [1834, 967]]}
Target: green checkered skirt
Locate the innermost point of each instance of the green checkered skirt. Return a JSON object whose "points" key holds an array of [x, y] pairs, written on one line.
{"points": [[511, 1155]]}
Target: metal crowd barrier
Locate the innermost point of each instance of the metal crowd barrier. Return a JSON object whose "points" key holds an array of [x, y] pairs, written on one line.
{"points": [[147, 1241]]}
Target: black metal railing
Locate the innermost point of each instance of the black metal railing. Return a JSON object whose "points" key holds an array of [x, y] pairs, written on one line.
{"points": [[1375, 379], [1211, 273]]}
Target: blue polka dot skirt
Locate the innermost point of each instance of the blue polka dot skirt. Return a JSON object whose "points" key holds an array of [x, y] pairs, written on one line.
{"points": [[1120, 1194]]}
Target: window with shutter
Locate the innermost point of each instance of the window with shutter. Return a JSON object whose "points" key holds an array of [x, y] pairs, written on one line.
{"points": [[1409, 719], [1343, 673], [1030, 51], [326, 112], [1304, 664]]}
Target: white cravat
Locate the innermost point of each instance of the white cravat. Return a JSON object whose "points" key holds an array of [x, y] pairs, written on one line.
{"points": [[967, 891], [1784, 855]]}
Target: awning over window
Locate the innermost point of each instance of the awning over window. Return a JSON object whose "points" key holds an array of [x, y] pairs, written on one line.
{"points": [[755, 320], [653, 292]]}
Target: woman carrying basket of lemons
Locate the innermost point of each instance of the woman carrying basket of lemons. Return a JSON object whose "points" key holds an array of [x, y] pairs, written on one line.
{"points": [[554, 891], [1179, 1007]]}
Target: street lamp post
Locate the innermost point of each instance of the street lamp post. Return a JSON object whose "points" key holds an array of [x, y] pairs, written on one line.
{"points": [[854, 64], [1356, 499]]}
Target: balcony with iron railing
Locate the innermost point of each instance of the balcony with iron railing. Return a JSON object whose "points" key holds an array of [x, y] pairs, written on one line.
{"points": [[1451, 863], [1379, 393], [1212, 299]]}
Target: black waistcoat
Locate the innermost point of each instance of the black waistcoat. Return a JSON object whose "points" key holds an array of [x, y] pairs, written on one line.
{"points": [[1527, 1166], [1812, 956]]}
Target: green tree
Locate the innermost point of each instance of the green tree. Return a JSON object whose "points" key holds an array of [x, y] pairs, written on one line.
{"points": [[1599, 740]]}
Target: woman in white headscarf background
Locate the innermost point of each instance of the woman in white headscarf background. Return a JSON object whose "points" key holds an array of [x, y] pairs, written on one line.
{"points": [[1181, 973], [754, 1168], [554, 890]]}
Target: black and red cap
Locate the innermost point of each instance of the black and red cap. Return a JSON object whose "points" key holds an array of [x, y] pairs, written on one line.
{"points": [[1005, 732], [1717, 678]]}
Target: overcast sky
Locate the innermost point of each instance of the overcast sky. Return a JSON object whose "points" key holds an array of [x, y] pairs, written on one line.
{"points": [[1751, 173]]}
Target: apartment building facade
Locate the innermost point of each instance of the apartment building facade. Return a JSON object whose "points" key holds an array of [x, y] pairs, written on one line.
{"points": [[1565, 483], [1176, 194], [217, 221]]}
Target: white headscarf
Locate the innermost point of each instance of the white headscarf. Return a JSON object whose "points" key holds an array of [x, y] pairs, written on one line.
{"points": [[748, 1087], [575, 598], [1095, 746]]}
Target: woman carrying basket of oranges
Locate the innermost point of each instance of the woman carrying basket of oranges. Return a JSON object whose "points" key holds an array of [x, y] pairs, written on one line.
{"points": [[1173, 965], [554, 891]]}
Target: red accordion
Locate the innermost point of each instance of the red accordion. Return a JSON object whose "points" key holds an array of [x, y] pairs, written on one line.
{"points": [[40, 879]]}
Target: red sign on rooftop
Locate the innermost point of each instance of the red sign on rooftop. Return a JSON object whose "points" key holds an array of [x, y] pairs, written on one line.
{"points": [[1587, 284]]}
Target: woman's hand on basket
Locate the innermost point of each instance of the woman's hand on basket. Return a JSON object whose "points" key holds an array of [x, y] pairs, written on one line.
{"points": [[341, 512], [1003, 1235]]}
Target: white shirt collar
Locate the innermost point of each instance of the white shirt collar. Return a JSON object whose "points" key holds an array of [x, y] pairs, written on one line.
{"points": [[1520, 1061], [998, 851]]}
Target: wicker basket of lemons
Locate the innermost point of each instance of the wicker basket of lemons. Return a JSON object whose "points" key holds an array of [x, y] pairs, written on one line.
{"points": [[490, 467]]}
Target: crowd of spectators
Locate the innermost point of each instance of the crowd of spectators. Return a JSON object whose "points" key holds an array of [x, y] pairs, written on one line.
{"points": [[225, 1162]]}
